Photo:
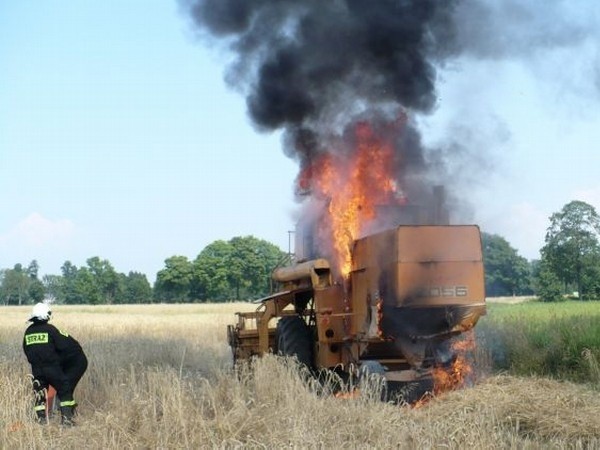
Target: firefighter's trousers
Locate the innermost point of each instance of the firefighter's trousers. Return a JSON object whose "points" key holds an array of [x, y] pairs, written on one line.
{"points": [[63, 377]]}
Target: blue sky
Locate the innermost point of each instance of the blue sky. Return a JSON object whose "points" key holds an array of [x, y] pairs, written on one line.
{"points": [[120, 139]]}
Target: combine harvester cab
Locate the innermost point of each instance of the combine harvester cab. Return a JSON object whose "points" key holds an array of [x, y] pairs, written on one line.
{"points": [[411, 289]]}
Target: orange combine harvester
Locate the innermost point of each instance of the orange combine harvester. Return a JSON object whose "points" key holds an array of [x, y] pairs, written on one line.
{"points": [[376, 282]]}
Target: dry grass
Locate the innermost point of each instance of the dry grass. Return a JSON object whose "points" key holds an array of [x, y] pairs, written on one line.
{"points": [[159, 377]]}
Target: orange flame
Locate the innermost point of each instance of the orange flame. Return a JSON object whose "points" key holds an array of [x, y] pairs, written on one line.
{"points": [[461, 372], [353, 185], [458, 375], [348, 395]]}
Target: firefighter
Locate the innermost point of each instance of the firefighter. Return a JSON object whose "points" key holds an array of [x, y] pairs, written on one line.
{"points": [[56, 359]]}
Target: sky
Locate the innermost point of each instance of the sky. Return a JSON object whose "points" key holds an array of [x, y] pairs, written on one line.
{"points": [[119, 137]]}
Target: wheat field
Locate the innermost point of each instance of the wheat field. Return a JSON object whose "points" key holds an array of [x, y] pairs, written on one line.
{"points": [[160, 378]]}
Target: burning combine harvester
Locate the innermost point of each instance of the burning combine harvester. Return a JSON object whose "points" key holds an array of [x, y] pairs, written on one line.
{"points": [[379, 279], [376, 281]]}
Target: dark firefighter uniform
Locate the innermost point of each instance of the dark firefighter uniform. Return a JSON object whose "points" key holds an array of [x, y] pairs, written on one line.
{"points": [[56, 359]]}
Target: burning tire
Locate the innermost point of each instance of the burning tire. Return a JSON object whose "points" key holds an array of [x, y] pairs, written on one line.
{"points": [[294, 339]]}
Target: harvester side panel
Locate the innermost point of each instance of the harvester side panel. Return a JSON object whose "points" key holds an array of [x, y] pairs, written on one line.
{"points": [[439, 266], [332, 325], [439, 283], [373, 259], [439, 243], [419, 267]]}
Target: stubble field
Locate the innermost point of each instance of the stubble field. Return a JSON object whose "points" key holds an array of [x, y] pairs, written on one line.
{"points": [[160, 377]]}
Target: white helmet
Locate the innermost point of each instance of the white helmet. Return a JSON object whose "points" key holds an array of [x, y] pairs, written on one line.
{"points": [[41, 311]]}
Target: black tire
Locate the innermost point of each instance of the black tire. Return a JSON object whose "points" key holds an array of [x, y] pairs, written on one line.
{"points": [[294, 338]]}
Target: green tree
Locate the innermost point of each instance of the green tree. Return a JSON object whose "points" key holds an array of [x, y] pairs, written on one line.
{"points": [[506, 272], [86, 288], [15, 286], [78, 286], [35, 290], [2, 295], [136, 288], [98, 283], [211, 272], [67, 288], [105, 279], [548, 287], [251, 265], [4, 287], [174, 282], [572, 250], [19, 286], [33, 269], [591, 280], [235, 270]]}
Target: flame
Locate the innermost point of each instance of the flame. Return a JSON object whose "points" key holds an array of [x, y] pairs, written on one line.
{"points": [[422, 401], [353, 184], [348, 395], [460, 373], [380, 319]]}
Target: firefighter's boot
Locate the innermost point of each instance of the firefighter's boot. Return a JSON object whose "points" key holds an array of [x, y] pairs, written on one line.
{"points": [[67, 413], [40, 414]]}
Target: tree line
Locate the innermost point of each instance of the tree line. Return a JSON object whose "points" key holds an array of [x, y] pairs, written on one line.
{"points": [[95, 283], [239, 269], [569, 265]]}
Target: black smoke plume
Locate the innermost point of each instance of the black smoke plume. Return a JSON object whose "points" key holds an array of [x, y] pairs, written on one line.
{"points": [[316, 68], [300, 59], [312, 67]]}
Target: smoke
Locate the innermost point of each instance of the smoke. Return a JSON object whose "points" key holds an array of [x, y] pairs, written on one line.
{"points": [[311, 67], [315, 68], [493, 29]]}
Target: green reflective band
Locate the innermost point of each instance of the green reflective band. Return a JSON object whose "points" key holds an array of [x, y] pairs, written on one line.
{"points": [[68, 403], [39, 408], [64, 333], [36, 338]]}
